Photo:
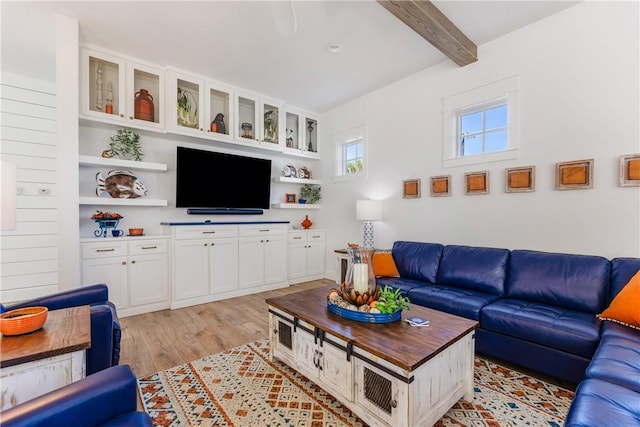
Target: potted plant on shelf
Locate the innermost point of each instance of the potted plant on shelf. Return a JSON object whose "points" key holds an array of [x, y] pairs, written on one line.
{"points": [[187, 102], [125, 145], [310, 193]]}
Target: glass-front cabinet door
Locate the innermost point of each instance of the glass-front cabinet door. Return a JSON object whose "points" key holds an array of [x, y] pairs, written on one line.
{"points": [[301, 133], [103, 86], [310, 132], [219, 112], [145, 100], [271, 114], [292, 130], [186, 104], [247, 123]]}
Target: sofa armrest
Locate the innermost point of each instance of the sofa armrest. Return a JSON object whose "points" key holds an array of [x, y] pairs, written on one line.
{"points": [[103, 335], [91, 401], [87, 295]]}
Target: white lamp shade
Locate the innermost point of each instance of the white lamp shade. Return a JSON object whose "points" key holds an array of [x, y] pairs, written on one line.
{"points": [[369, 210], [8, 196]]}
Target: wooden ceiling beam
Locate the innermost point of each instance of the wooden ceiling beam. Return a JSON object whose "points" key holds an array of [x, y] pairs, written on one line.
{"points": [[427, 20]]}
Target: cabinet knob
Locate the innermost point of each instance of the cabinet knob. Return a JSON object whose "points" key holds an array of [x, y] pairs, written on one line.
{"points": [[394, 403], [133, 262], [130, 117], [121, 115], [205, 244], [124, 262], [201, 129]]}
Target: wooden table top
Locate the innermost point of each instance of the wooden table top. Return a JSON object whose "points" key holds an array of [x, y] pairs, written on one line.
{"points": [[399, 343], [65, 331]]}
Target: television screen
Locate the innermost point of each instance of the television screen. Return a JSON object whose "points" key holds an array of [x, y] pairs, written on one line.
{"points": [[206, 179]]}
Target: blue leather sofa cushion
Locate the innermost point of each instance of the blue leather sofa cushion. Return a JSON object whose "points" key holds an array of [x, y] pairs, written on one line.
{"points": [[617, 361], [556, 327], [617, 330], [622, 270], [416, 260], [405, 285], [459, 301], [480, 269], [602, 404], [577, 282]]}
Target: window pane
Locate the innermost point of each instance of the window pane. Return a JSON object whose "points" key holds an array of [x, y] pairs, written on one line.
{"points": [[350, 152], [472, 145], [495, 141], [470, 123], [359, 150], [496, 117]]}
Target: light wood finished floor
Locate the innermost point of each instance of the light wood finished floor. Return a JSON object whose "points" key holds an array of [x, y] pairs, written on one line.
{"points": [[157, 341]]}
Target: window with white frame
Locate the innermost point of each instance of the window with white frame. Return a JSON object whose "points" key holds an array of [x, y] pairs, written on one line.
{"points": [[481, 125], [350, 152]]}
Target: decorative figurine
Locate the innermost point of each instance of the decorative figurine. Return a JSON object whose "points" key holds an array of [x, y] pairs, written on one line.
{"points": [[306, 223], [143, 105], [120, 184], [289, 138], [108, 108], [246, 128], [310, 129], [217, 125]]}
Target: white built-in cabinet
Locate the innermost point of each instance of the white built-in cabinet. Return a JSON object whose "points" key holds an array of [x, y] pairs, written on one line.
{"points": [[134, 269], [219, 261], [263, 249], [110, 85], [205, 263], [306, 255], [186, 103], [301, 133]]}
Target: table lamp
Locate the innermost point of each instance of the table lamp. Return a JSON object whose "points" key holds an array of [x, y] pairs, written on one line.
{"points": [[368, 211]]}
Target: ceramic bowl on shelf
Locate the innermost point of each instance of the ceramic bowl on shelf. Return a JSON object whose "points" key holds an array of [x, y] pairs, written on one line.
{"points": [[23, 320], [136, 231]]}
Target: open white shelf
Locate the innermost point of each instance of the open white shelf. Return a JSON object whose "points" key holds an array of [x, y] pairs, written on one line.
{"points": [[287, 180], [295, 206], [121, 202], [118, 163]]}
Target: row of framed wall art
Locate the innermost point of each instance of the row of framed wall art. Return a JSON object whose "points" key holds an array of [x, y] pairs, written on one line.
{"points": [[573, 175]]}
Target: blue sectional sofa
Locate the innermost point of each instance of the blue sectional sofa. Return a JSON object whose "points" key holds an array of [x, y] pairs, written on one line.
{"points": [[537, 310]]}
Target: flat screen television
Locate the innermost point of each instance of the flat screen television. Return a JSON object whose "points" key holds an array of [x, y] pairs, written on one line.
{"points": [[207, 179]]}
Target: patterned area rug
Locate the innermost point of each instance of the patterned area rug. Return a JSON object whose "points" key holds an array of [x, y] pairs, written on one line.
{"points": [[242, 387]]}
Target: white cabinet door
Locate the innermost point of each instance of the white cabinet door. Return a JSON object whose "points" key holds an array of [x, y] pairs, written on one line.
{"points": [[109, 270], [145, 83], [251, 272], [297, 261], [185, 113], [337, 371], [102, 80], [148, 279], [315, 258], [191, 269], [275, 259], [223, 261], [306, 353], [218, 100]]}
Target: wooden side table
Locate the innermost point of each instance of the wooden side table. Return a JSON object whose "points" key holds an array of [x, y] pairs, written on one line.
{"points": [[49, 358]]}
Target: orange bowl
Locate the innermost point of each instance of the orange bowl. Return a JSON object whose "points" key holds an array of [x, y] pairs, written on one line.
{"points": [[23, 320], [136, 231]]}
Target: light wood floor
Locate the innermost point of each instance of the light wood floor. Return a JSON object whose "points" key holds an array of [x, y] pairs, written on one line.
{"points": [[157, 341]]}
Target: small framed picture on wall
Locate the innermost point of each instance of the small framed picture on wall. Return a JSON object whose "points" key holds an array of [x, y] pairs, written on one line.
{"points": [[441, 186], [575, 175], [476, 183], [630, 170], [520, 180], [411, 189]]}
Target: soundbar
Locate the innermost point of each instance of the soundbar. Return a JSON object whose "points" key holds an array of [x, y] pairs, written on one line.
{"points": [[224, 211]]}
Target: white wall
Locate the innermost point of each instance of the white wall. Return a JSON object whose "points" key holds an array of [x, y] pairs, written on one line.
{"points": [[579, 99]]}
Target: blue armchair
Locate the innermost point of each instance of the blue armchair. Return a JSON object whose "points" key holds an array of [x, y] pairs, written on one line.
{"points": [[105, 327], [107, 398]]}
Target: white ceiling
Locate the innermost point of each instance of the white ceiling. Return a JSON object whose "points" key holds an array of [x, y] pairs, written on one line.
{"points": [[253, 45]]}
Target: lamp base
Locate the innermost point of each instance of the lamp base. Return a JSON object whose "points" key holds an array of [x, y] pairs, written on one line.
{"points": [[368, 235]]}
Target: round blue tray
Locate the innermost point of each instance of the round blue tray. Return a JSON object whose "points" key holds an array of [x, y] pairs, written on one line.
{"points": [[364, 317]]}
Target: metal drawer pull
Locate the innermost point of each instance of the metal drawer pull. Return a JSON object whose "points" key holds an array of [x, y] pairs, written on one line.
{"points": [[105, 250], [264, 230], [208, 232], [315, 237], [149, 247], [297, 238]]}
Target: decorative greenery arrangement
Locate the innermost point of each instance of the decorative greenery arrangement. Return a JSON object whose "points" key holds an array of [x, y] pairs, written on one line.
{"points": [[187, 102], [125, 144], [391, 301], [311, 193]]}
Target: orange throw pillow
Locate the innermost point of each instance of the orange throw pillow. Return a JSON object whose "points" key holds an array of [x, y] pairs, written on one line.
{"points": [[384, 265], [625, 307]]}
